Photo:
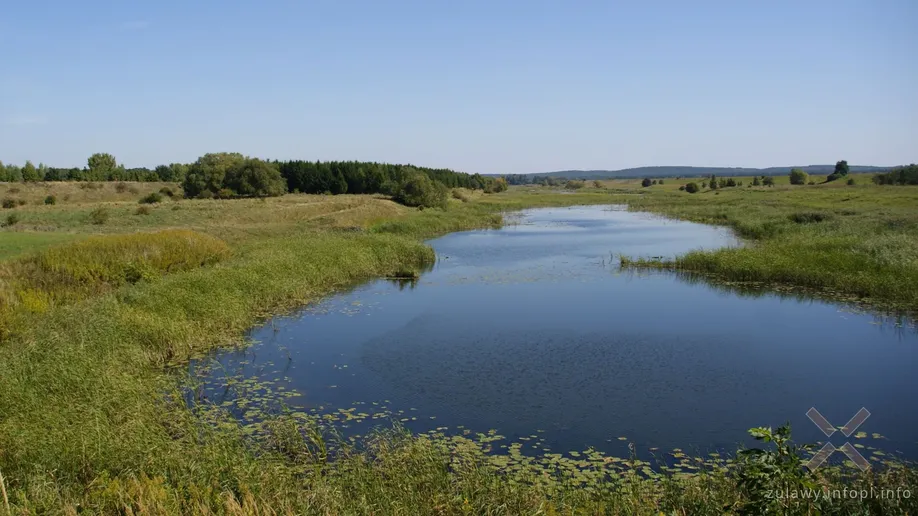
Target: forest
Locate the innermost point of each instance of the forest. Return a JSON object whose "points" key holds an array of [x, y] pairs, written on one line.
{"points": [[226, 175]]}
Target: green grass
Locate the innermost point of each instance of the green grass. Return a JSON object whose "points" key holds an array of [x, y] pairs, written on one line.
{"points": [[14, 243], [93, 418]]}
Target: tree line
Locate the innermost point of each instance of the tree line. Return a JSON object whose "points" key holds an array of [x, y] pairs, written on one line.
{"points": [[228, 174]]}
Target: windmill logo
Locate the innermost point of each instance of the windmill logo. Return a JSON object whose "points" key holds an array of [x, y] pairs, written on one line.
{"points": [[848, 430]]}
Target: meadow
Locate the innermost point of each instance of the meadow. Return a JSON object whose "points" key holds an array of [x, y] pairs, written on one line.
{"points": [[104, 300]]}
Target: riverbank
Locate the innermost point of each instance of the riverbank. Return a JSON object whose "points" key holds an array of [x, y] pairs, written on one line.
{"points": [[92, 416]]}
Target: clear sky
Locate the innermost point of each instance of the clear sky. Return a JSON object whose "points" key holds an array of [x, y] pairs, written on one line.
{"points": [[478, 86]]}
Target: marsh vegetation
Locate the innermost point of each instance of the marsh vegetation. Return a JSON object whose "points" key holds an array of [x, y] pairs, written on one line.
{"points": [[93, 414]]}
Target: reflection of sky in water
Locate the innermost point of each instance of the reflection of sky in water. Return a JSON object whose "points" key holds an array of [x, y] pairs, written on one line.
{"points": [[532, 327]]}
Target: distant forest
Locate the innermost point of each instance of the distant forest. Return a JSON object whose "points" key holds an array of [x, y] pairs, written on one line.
{"points": [[676, 171], [233, 175]]}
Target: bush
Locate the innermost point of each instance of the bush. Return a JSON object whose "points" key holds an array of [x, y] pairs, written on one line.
{"points": [[660, 182], [12, 219], [681, 188], [142, 210], [50, 199], [850, 181], [646, 182], [691, 187], [9, 203], [225, 193], [597, 184], [461, 195], [99, 216], [798, 176], [151, 198], [166, 191], [419, 190], [811, 182], [574, 184], [120, 187], [255, 178]]}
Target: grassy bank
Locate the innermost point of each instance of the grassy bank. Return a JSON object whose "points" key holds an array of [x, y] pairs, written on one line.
{"points": [[92, 417]]}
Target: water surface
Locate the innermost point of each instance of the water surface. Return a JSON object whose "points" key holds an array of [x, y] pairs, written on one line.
{"points": [[532, 330]]}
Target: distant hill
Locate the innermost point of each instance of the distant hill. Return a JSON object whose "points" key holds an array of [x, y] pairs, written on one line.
{"points": [[670, 171]]}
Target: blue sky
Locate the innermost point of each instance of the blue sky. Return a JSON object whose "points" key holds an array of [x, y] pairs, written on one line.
{"points": [[478, 86]]}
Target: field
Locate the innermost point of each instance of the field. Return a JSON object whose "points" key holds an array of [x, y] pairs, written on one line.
{"points": [[100, 320]]}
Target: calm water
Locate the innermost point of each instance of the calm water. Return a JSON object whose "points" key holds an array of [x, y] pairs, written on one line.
{"points": [[531, 329]]}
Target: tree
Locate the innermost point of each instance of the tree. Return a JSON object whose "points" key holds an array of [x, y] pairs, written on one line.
{"points": [[646, 182], [254, 177], [29, 172], [798, 176], [3, 175], [768, 181], [841, 170], [691, 187], [102, 166], [755, 181], [208, 173]]}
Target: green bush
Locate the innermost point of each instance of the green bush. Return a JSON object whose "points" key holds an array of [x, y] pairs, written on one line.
{"points": [[9, 203], [850, 181], [99, 216], [166, 191], [142, 210], [646, 182], [691, 187], [12, 219], [798, 176], [120, 187], [574, 184], [151, 198], [419, 190], [50, 199]]}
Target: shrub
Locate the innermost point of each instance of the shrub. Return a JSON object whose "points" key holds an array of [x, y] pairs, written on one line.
{"points": [[99, 216], [850, 181], [9, 203], [133, 190], [50, 199], [461, 195], [646, 182], [13, 190], [142, 210], [420, 190], [121, 187], [681, 188], [574, 184], [151, 198], [660, 182], [166, 191], [597, 184], [225, 193], [255, 178], [12, 219], [691, 187], [768, 181], [21, 202], [811, 182]]}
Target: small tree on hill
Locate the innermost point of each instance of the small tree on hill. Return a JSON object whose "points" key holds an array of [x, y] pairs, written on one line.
{"points": [[646, 182], [841, 170], [768, 181], [691, 187]]}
